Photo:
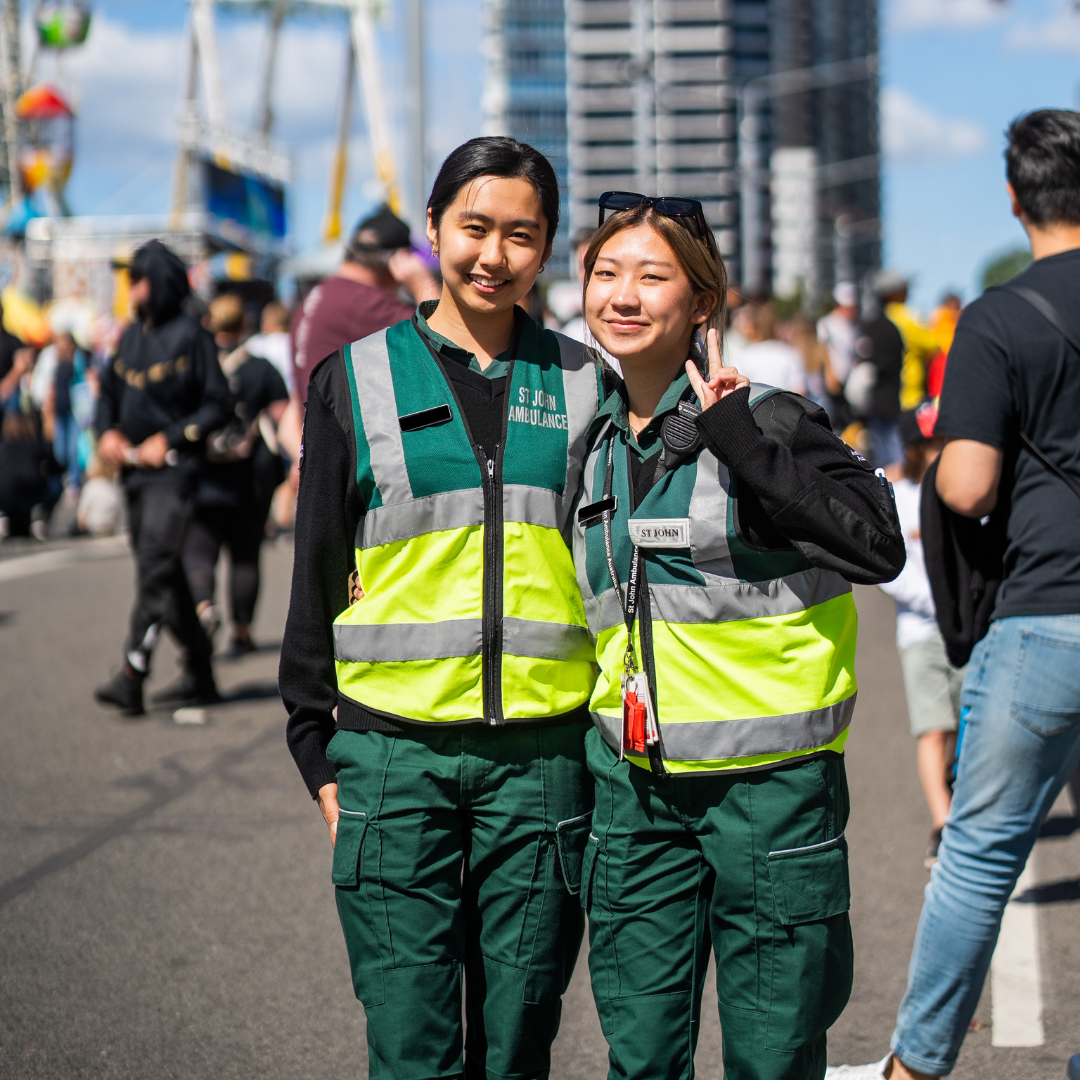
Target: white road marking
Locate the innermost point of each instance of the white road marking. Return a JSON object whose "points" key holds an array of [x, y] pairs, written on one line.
{"points": [[20, 566], [1015, 985]]}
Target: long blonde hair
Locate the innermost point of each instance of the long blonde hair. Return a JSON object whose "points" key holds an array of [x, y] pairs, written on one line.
{"points": [[699, 257]]}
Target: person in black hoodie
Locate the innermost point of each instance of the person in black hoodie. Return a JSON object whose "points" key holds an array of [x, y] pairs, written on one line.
{"points": [[161, 396]]}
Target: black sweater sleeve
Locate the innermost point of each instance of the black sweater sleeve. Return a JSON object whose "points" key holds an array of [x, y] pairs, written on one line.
{"points": [[806, 485], [327, 513]]}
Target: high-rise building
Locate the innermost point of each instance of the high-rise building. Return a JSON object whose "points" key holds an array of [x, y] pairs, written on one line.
{"points": [[651, 106], [525, 83], [765, 110]]}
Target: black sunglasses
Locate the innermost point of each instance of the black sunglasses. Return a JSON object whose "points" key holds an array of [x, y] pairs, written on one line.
{"points": [[686, 210]]}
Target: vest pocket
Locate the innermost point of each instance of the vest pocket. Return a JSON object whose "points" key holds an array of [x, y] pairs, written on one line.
{"points": [[572, 838], [350, 836], [811, 951]]}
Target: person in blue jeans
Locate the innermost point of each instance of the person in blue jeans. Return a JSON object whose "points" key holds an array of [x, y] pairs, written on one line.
{"points": [[1010, 373]]}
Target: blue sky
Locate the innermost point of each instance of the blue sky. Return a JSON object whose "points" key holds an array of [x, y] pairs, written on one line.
{"points": [[954, 73]]}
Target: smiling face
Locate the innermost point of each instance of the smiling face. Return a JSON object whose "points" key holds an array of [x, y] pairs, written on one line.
{"points": [[491, 242], [639, 302]]}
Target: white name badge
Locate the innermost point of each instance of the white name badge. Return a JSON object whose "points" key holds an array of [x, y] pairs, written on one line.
{"points": [[660, 532]]}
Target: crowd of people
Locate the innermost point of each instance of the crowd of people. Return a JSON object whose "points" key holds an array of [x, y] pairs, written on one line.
{"points": [[572, 637]]}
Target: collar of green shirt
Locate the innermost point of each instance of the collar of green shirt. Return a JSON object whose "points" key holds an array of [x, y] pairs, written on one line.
{"points": [[615, 409], [497, 369]]}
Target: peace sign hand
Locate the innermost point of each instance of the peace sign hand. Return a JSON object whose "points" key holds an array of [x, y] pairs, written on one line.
{"points": [[722, 380]]}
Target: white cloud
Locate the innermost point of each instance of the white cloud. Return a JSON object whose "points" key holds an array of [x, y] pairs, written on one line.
{"points": [[1058, 34], [928, 14], [911, 132]]}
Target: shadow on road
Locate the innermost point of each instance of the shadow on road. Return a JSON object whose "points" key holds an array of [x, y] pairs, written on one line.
{"points": [[162, 792]]}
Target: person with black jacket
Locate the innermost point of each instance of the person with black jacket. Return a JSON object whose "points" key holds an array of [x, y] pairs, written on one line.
{"points": [[719, 530], [161, 396], [237, 486]]}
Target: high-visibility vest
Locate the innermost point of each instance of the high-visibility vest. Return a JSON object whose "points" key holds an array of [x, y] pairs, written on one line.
{"points": [[471, 609], [753, 652]]}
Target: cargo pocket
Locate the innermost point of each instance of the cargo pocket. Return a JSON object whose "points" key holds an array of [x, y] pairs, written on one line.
{"points": [[351, 827], [559, 924], [572, 837], [358, 902], [588, 867], [811, 953]]}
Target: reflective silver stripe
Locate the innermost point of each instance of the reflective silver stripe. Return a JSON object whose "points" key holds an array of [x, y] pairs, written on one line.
{"points": [[537, 506], [582, 396], [758, 390], [378, 409], [387, 642], [588, 495], [708, 516], [721, 740], [549, 641], [456, 510], [432, 513], [726, 603]]}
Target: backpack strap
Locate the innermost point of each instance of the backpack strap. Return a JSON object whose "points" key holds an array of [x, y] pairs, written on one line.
{"points": [[1057, 321]]}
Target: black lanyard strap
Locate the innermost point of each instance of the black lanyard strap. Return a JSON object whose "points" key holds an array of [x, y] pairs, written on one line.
{"points": [[630, 605]]}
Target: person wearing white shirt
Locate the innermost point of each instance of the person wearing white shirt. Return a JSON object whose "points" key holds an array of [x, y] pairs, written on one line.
{"points": [[838, 331], [272, 341], [765, 359], [931, 684]]}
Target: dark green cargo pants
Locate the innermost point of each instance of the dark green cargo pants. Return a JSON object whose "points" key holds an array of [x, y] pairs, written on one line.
{"points": [[459, 853], [753, 865]]}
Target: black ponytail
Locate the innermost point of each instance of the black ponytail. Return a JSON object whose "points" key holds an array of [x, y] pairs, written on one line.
{"points": [[496, 155]]}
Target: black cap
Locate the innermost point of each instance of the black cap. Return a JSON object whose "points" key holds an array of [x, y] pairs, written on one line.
{"points": [[381, 231]]}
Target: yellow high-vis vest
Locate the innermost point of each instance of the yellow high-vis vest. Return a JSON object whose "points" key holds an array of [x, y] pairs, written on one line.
{"points": [[752, 652], [471, 609]]}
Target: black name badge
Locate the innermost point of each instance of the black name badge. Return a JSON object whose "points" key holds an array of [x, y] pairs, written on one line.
{"points": [[414, 421], [591, 514]]}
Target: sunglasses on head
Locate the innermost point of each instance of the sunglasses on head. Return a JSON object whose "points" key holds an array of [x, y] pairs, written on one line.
{"points": [[686, 211]]}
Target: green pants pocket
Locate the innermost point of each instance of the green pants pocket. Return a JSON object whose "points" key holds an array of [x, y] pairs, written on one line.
{"points": [[350, 836], [559, 926], [588, 868], [359, 902], [572, 838], [811, 951]]}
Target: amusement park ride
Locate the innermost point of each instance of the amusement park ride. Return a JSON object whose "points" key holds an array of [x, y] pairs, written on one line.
{"points": [[228, 213]]}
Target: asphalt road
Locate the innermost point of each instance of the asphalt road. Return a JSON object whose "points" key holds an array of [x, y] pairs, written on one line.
{"points": [[165, 900]]}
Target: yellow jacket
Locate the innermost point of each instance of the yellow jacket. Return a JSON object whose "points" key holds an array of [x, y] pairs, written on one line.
{"points": [[920, 346]]}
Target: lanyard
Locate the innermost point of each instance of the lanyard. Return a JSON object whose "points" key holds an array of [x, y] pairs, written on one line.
{"points": [[629, 607]]}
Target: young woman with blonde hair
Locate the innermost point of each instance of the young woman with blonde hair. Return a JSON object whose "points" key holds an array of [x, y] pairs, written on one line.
{"points": [[719, 530]]}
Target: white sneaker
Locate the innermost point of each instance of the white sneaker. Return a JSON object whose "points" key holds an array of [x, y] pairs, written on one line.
{"points": [[874, 1071]]}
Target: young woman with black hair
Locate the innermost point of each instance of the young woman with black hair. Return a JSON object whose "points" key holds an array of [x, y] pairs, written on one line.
{"points": [[721, 525], [435, 613]]}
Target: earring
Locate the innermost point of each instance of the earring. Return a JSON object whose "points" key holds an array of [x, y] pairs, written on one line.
{"points": [[541, 270], [434, 252]]}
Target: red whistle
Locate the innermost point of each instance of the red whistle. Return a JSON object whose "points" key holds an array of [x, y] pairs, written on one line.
{"points": [[634, 723]]}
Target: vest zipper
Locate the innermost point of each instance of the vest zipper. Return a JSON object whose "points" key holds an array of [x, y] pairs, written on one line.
{"points": [[491, 659]]}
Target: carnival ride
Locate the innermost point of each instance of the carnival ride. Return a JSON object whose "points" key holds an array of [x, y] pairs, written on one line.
{"points": [[228, 205]]}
